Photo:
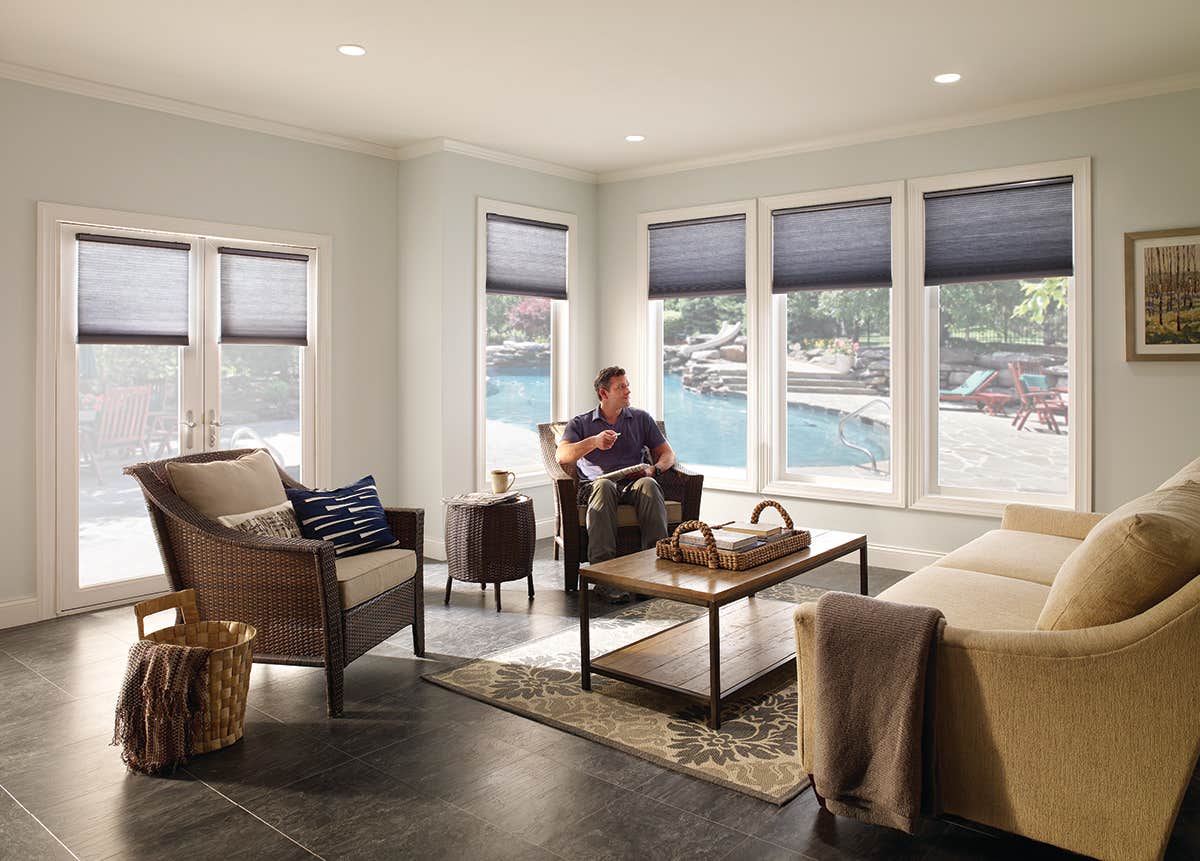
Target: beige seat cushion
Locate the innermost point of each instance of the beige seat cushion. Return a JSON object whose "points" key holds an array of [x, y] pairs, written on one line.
{"points": [[221, 487], [627, 514], [1135, 557], [1191, 472], [362, 577], [1028, 556], [970, 599]]}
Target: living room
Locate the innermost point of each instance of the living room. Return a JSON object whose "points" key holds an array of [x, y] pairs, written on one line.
{"points": [[922, 391]]}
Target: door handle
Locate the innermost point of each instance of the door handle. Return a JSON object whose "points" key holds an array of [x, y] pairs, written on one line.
{"points": [[189, 422], [214, 434]]}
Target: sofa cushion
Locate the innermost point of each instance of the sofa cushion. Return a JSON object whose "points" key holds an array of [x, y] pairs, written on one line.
{"points": [[1135, 557], [218, 487], [971, 599], [627, 514], [1028, 556], [1191, 472], [365, 575]]}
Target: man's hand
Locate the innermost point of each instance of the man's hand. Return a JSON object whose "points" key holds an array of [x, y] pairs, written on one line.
{"points": [[649, 472], [605, 440]]}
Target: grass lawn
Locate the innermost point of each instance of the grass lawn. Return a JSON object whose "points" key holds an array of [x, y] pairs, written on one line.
{"points": [[1166, 333]]}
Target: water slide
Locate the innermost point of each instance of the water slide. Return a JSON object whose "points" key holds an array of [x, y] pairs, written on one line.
{"points": [[727, 335]]}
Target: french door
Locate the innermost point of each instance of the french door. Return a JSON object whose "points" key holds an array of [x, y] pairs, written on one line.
{"points": [[169, 344]]}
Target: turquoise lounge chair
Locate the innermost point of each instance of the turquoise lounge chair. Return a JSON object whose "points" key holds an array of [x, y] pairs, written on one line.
{"points": [[972, 385]]}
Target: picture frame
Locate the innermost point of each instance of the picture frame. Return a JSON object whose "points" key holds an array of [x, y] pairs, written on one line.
{"points": [[1162, 295]]}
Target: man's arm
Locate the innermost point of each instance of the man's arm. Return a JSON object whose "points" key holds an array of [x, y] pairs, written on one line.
{"points": [[569, 452], [664, 457]]}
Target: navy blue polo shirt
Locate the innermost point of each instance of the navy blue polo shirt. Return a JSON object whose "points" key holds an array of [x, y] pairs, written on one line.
{"points": [[637, 429]]}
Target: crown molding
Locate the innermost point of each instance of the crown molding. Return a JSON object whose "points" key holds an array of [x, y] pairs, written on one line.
{"points": [[1036, 107], [139, 99], [474, 151]]}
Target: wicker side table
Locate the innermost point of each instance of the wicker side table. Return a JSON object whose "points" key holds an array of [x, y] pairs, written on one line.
{"points": [[490, 544]]}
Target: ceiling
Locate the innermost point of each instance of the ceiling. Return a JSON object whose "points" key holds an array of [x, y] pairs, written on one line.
{"points": [[565, 81]]}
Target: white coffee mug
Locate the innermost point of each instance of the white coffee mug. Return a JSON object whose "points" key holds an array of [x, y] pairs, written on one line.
{"points": [[502, 480]]}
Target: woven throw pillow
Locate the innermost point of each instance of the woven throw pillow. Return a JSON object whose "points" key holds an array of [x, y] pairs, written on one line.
{"points": [[351, 517], [278, 521], [1135, 557]]}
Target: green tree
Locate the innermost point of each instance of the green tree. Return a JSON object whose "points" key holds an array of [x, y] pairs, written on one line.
{"points": [[861, 314]]}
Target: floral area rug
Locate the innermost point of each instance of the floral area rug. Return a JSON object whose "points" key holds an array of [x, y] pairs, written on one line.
{"points": [[753, 752]]}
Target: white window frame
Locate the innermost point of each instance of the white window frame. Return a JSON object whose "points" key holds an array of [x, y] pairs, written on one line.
{"points": [[926, 493], [57, 437], [532, 474], [781, 481], [650, 321]]}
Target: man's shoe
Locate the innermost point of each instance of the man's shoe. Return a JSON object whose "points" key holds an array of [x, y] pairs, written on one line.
{"points": [[612, 596]]}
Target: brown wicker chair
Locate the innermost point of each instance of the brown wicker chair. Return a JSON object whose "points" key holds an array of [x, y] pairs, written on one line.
{"points": [[287, 588], [678, 485]]}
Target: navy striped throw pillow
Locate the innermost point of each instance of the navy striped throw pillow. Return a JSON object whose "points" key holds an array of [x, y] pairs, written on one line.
{"points": [[351, 517]]}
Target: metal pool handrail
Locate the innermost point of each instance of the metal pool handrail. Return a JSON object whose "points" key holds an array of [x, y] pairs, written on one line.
{"points": [[842, 435]]}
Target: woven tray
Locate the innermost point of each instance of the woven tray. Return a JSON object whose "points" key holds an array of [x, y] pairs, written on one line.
{"points": [[733, 560]]}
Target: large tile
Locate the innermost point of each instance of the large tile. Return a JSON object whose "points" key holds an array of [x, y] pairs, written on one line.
{"points": [[639, 827], [45, 778], [721, 805], [55, 727], [270, 754], [535, 798], [356, 812], [26, 693], [601, 761], [22, 837], [753, 849], [444, 760]]}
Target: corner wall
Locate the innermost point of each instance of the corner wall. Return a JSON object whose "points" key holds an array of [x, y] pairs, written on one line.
{"points": [[1145, 176]]}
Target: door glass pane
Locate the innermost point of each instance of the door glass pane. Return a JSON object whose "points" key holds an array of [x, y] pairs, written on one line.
{"points": [[704, 383], [128, 411], [839, 370], [518, 380], [1004, 396], [260, 400]]}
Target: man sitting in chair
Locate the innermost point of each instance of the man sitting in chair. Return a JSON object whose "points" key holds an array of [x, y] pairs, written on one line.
{"points": [[612, 437]]}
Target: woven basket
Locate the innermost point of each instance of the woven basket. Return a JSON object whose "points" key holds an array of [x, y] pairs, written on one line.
{"points": [[232, 644], [793, 540]]}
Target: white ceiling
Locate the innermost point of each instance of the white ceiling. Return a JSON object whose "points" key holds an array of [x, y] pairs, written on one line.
{"points": [[565, 81]]}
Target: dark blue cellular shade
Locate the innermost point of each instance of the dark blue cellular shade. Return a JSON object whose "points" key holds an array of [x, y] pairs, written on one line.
{"points": [[700, 257], [525, 257], [833, 246], [131, 290], [264, 297], [999, 232]]}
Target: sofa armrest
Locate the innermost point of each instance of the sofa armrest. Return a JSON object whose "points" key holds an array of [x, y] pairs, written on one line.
{"points": [[1085, 739], [1049, 521]]}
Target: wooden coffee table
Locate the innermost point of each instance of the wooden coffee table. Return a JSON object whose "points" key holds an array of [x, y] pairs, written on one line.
{"points": [[758, 635]]}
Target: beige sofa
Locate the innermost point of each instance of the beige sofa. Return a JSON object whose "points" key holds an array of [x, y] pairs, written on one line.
{"points": [[1068, 678]]}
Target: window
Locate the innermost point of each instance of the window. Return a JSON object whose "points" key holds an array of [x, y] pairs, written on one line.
{"points": [[1005, 380], [698, 264], [525, 267], [835, 352], [166, 337]]}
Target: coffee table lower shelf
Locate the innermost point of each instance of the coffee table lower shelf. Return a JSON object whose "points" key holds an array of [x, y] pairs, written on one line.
{"points": [[724, 651]]}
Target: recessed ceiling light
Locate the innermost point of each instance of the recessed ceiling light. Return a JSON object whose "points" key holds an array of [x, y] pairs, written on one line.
{"points": [[635, 138], [352, 50], [947, 78]]}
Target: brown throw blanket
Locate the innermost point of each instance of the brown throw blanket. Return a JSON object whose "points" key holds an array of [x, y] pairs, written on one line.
{"points": [[873, 691], [161, 705]]}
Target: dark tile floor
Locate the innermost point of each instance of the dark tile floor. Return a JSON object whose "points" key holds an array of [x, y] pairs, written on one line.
{"points": [[412, 770]]}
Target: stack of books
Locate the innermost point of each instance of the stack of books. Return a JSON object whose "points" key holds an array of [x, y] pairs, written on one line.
{"points": [[736, 536]]}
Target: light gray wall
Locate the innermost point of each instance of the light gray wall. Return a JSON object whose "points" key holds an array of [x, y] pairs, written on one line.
{"points": [[444, 188], [70, 149], [1146, 176]]}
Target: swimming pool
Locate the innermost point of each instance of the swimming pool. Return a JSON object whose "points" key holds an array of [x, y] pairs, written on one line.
{"points": [[703, 429]]}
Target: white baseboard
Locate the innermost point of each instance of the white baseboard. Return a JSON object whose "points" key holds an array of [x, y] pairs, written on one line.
{"points": [[545, 528], [22, 611], [435, 548], [900, 558]]}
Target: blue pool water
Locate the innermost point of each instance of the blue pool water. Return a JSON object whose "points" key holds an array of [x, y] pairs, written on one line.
{"points": [[703, 429]]}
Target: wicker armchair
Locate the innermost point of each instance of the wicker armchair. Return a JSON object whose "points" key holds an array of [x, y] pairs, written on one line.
{"points": [[678, 485], [286, 587]]}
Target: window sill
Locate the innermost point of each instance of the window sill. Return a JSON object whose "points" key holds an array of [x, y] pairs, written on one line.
{"points": [[832, 493]]}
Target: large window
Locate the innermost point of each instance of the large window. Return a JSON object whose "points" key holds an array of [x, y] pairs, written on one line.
{"points": [[834, 350], [524, 272], [698, 266], [1004, 386]]}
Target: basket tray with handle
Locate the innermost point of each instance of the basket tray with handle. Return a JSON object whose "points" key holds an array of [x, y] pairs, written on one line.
{"points": [[791, 540]]}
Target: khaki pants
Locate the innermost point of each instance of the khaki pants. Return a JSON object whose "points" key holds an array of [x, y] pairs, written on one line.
{"points": [[603, 498]]}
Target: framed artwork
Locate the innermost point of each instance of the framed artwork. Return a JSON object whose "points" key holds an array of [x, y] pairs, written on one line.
{"points": [[1162, 295]]}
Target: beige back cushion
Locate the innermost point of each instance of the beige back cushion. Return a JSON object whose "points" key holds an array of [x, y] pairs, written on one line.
{"points": [[1135, 557], [1191, 472], [221, 487]]}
